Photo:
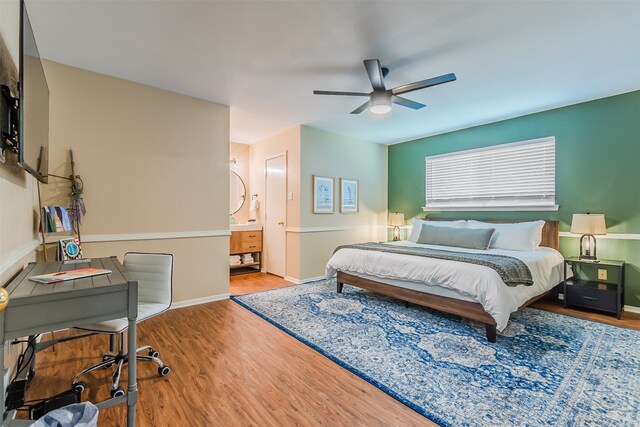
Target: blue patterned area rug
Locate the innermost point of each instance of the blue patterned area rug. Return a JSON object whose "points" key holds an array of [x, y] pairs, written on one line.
{"points": [[545, 369]]}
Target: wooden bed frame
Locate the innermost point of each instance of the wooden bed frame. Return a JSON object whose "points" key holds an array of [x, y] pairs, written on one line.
{"points": [[469, 310]]}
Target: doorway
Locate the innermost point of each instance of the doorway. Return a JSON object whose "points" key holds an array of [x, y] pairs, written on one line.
{"points": [[275, 216]]}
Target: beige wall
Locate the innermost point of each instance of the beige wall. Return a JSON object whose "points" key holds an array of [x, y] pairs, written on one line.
{"points": [[284, 142], [240, 152], [338, 156], [18, 190], [152, 161], [311, 151]]}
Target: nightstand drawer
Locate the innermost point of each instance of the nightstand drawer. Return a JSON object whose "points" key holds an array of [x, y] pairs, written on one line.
{"points": [[591, 298]]}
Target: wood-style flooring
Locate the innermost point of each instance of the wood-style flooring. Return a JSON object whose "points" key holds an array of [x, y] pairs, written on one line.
{"points": [[231, 368]]}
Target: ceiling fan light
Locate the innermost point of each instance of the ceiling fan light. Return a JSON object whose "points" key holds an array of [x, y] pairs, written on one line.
{"points": [[380, 109], [380, 105]]}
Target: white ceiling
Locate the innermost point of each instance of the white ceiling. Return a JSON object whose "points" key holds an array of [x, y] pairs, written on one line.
{"points": [[264, 58]]}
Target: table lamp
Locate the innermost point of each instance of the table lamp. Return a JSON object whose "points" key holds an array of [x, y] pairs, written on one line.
{"points": [[589, 225], [396, 220]]}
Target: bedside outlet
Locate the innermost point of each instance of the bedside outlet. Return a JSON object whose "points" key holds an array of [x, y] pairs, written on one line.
{"points": [[602, 274]]}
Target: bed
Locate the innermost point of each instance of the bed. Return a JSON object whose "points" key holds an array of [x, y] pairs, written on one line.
{"points": [[471, 291]]}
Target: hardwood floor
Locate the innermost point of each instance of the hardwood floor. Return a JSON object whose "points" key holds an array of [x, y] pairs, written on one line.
{"points": [[231, 368], [255, 282], [628, 320]]}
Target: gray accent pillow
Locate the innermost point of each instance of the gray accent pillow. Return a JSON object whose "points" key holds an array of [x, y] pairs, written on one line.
{"points": [[470, 238]]}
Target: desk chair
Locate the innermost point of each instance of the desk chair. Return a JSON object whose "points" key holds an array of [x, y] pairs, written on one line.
{"points": [[154, 275]]}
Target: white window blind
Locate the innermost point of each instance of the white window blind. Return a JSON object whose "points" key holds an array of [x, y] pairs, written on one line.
{"points": [[518, 176]]}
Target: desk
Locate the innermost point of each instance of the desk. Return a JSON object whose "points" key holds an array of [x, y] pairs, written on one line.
{"points": [[38, 308]]}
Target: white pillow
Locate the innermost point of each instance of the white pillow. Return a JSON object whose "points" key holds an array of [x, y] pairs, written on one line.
{"points": [[517, 236], [417, 226]]}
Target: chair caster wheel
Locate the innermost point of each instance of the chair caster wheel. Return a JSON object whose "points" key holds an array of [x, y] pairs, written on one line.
{"points": [[164, 371], [79, 387], [104, 359], [154, 353], [117, 392]]}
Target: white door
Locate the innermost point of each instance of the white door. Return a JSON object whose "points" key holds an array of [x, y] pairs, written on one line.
{"points": [[275, 215]]}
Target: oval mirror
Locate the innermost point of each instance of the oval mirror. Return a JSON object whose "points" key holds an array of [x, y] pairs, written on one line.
{"points": [[237, 192]]}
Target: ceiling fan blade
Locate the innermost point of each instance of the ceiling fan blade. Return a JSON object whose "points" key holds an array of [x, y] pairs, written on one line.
{"points": [[375, 74], [331, 92], [407, 102], [361, 108], [422, 84]]}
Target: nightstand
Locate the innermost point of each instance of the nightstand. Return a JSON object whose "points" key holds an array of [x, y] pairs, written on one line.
{"points": [[595, 285]]}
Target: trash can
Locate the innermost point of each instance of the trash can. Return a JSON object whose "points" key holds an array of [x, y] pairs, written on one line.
{"points": [[76, 415]]}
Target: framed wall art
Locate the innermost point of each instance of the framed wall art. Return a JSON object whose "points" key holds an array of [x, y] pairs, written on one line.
{"points": [[323, 194], [348, 195]]}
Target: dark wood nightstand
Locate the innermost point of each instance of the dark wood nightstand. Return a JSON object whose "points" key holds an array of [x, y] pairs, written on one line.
{"points": [[590, 290]]}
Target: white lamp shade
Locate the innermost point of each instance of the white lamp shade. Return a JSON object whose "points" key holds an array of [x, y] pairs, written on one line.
{"points": [[588, 224], [396, 219]]}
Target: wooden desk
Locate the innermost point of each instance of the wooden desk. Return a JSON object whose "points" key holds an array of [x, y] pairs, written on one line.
{"points": [[36, 308]]}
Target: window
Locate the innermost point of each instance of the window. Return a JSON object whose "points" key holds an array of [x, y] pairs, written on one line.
{"points": [[517, 176]]}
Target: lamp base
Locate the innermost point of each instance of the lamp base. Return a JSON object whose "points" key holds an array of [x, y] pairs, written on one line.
{"points": [[587, 258], [396, 233]]}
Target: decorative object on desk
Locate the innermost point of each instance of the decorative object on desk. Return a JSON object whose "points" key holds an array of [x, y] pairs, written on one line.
{"points": [[4, 298], [396, 220], [322, 194], [69, 249], [589, 225], [63, 276], [73, 215], [348, 195]]}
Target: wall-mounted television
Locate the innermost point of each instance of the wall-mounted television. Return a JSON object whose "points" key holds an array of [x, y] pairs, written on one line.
{"points": [[33, 152]]}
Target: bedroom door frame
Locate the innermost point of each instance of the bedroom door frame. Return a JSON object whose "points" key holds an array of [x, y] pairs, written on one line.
{"points": [[266, 211]]}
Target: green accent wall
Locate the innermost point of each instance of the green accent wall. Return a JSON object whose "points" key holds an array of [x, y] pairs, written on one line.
{"points": [[598, 170]]}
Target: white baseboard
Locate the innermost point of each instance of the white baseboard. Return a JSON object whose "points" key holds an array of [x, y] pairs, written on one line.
{"points": [[198, 301], [334, 228], [301, 281], [632, 309]]}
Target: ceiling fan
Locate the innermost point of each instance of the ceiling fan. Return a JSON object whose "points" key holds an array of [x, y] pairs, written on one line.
{"points": [[381, 98]]}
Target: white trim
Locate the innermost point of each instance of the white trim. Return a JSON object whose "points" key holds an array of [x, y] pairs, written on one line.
{"points": [[494, 146], [337, 228], [198, 301], [90, 238], [13, 257], [521, 208], [274, 156], [301, 281], [632, 309], [614, 236]]}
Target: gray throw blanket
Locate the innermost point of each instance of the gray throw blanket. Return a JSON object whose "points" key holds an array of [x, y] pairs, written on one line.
{"points": [[513, 271]]}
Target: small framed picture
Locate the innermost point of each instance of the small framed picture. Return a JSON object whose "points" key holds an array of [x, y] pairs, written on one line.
{"points": [[348, 195], [322, 194]]}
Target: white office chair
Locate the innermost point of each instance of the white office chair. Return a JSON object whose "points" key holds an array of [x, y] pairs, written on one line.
{"points": [[154, 275]]}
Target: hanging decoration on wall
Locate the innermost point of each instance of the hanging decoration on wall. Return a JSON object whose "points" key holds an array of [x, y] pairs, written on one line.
{"points": [[75, 211], [78, 209]]}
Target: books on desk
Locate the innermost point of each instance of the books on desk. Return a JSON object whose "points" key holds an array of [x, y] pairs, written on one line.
{"points": [[62, 276]]}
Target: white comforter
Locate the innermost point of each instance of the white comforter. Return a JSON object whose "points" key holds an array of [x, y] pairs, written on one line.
{"points": [[482, 284]]}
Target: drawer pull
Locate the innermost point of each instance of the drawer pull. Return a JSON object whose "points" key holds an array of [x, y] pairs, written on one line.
{"points": [[252, 235], [590, 298], [251, 247]]}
